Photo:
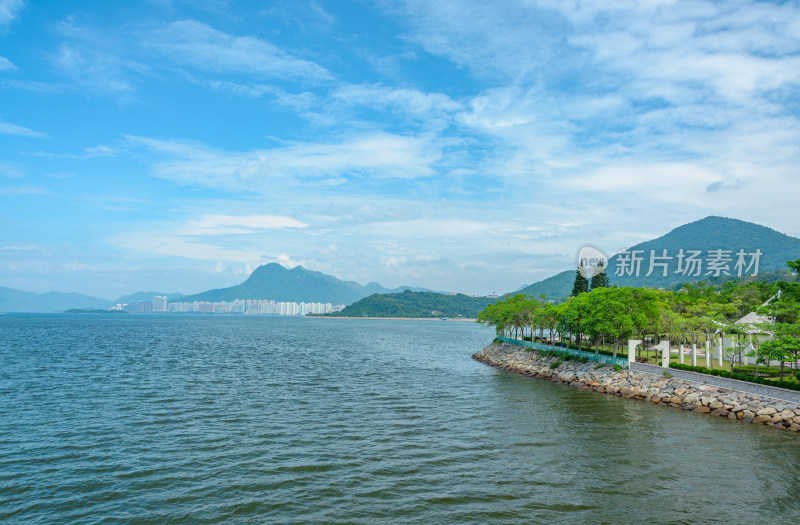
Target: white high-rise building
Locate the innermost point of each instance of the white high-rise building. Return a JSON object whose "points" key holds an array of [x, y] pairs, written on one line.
{"points": [[160, 303]]}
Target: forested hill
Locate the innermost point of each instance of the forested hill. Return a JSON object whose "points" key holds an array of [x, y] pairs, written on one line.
{"points": [[416, 304], [705, 235]]}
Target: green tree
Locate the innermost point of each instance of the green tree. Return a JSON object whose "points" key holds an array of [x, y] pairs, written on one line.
{"points": [[784, 313], [785, 345], [575, 316], [794, 265], [549, 316], [581, 284], [600, 278], [494, 315], [611, 318]]}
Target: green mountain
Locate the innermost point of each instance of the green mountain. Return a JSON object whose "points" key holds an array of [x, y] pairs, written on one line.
{"points": [[12, 300], [706, 235], [273, 281], [416, 304]]}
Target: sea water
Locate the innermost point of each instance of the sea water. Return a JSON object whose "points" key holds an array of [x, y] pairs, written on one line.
{"points": [[237, 419]]}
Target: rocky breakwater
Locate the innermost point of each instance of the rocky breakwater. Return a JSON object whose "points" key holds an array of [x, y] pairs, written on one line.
{"points": [[678, 393]]}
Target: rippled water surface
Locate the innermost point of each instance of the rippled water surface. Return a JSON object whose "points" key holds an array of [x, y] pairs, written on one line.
{"points": [[204, 419]]}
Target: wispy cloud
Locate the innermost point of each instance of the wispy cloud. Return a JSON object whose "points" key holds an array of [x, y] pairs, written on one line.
{"points": [[6, 64], [7, 128], [91, 61], [28, 189], [9, 10], [36, 86], [233, 224], [211, 238], [13, 170], [97, 70], [367, 156], [92, 152], [28, 248], [411, 102], [172, 245], [199, 45]]}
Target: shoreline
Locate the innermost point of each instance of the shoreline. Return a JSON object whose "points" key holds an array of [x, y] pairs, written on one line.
{"points": [[460, 319], [661, 389]]}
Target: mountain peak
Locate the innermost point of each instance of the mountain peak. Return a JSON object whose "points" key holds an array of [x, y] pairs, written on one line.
{"points": [[275, 281], [269, 267]]}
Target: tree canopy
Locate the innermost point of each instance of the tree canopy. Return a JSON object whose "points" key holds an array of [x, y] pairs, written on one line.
{"points": [[615, 314]]}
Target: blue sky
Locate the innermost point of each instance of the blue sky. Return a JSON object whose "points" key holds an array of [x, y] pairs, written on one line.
{"points": [[459, 145]]}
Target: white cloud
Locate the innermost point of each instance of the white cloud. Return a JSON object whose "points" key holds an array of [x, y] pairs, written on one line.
{"points": [[172, 245], [295, 101], [11, 170], [629, 90], [206, 48], [678, 182], [9, 9], [407, 101], [91, 152], [376, 155], [7, 128], [98, 151], [6, 64], [28, 189], [28, 248], [92, 65], [232, 224], [432, 227]]}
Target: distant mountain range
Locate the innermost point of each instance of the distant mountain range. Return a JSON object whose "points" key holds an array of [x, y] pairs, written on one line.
{"points": [[709, 234], [273, 281], [12, 300]]}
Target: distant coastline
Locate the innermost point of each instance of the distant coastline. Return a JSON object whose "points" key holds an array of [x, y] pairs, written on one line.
{"points": [[93, 311]]}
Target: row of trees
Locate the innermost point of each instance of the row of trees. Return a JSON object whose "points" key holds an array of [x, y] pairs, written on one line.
{"points": [[696, 313]]}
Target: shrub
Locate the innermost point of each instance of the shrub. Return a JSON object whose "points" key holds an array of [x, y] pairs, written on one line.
{"points": [[666, 374], [617, 368], [736, 375], [555, 364], [599, 365]]}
